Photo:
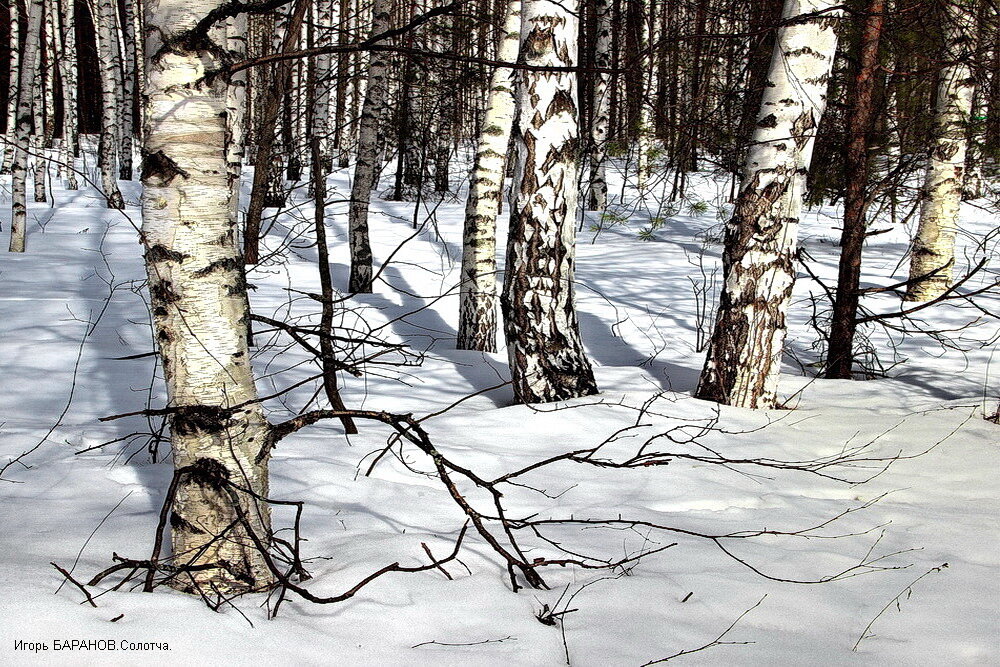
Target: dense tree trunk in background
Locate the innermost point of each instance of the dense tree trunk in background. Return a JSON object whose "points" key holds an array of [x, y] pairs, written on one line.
{"points": [[267, 165], [199, 302], [597, 187], [236, 108], [992, 131], [24, 124], [70, 146], [547, 359], [110, 65], [129, 70], [445, 126], [365, 169], [744, 355], [764, 14], [340, 120], [41, 103], [974, 186], [477, 321], [324, 86], [932, 255], [328, 360], [860, 125], [12, 90], [643, 129]]}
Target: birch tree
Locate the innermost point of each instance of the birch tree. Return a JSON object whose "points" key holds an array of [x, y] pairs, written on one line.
{"points": [[127, 94], [24, 123], [932, 254], [324, 85], [41, 103], [236, 94], [110, 59], [365, 169], [597, 191], [70, 147], [199, 302], [744, 354], [13, 71], [477, 322], [547, 360]]}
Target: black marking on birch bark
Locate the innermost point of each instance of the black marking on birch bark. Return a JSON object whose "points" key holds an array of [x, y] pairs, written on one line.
{"points": [[159, 169], [163, 292], [226, 264], [801, 127], [562, 101], [563, 154], [206, 472], [177, 522], [160, 253], [193, 419], [769, 120], [804, 51]]}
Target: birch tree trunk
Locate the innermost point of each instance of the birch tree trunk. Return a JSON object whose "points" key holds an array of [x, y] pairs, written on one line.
{"points": [[477, 319], [67, 70], [129, 67], [744, 354], [40, 105], [324, 85], [267, 161], [364, 171], [643, 130], [107, 43], [236, 94], [12, 88], [24, 124], [199, 302], [597, 191], [932, 255], [340, 119], [547, 360]]}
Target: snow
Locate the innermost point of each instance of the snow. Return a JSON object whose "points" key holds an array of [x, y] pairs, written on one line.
{"points": [[72, 306]]}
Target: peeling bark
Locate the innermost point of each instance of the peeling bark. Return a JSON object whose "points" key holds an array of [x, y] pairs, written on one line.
{"points": [[547, 359], [365, 170], [199, 303], [932, 255], [597, 191], [744, 354], [477, 325], [24, 124]]}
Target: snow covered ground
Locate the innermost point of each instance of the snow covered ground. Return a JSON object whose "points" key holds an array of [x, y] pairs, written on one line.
{"points": [[71, 307]]}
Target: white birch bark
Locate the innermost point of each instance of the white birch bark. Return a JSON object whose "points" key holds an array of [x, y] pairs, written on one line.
{"points": [[975, 183], [932, 255], [24, 124], [547, 360], [477, 325], [127, 97], [105, 18], [597, 191], [199, 302], [324, 83], [364, 171], [341, 121], [70, 146], [744, 355], [12, 88], [41, 104], [236, 98], [644, 132]]}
